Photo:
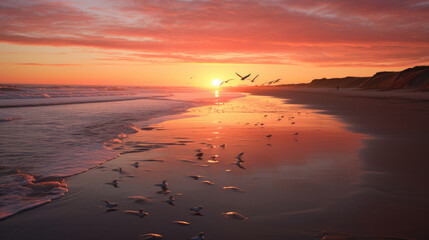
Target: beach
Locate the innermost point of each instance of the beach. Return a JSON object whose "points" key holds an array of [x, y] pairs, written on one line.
{"points": [[336, 166]]}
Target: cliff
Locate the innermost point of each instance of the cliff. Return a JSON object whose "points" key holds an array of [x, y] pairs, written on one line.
{"points": [[412, 78]]}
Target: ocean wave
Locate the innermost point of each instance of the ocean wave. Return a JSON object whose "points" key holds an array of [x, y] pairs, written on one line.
{"points": [[20, 191]]}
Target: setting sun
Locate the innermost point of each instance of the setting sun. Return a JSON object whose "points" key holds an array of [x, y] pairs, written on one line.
{"points": [[216, 82]]}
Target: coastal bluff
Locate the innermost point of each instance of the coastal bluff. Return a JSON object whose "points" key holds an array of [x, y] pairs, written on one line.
{"points": [[416, 78]]}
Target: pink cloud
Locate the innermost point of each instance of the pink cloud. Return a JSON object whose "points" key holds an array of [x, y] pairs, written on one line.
{"points": [[327, 32]]}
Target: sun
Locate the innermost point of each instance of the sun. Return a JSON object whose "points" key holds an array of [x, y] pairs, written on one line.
{"points": [[216, 82]]}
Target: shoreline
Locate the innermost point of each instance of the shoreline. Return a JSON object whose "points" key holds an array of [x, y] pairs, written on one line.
{"points": [[59, 183], [371, 174]]}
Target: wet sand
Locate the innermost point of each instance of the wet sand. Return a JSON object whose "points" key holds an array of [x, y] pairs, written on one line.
{"points": [[351, 172]]}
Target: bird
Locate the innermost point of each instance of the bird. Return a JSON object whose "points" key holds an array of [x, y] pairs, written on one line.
{"points": [[239, 156], [110, 204], [235, 215], [139, 213], [171, 200], [265, 115], [196, 210], [296, 133], [243, 78], [269, 135], [163, 185], [223, 145], [226, 81], [253, 80], [151, 236], [114, 183], [199, 155], [136, 164], [199, 237], [238, 163]]}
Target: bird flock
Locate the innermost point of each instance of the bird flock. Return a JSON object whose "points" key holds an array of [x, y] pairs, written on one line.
{"points": [[252, 80], [197, 210]]}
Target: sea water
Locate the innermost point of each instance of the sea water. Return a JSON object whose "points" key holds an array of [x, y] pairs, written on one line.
{"points": [[49, 132]]}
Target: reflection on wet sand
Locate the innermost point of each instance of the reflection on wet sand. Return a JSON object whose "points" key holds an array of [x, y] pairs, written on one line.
{"points": [[282, 188]]}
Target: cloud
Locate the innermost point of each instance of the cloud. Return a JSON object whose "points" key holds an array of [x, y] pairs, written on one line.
{"points": [[325, 33]]}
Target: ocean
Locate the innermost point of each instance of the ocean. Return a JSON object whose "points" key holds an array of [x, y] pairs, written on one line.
{"points": [[50, 132]]}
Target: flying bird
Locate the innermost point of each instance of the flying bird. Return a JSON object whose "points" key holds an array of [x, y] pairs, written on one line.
{"points": [[253, 80], [243, 78], [226, 81]]}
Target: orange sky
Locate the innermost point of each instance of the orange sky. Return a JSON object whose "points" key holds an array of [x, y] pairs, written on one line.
{"points": [[191, 42]]}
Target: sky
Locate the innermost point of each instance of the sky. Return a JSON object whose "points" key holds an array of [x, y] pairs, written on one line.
{"points": [[192, 42]]}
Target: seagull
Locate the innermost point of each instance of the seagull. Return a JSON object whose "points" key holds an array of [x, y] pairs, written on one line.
{"points": [[199, 237], [163, 185], [199, 155], [235, 215], [139, 213], [223, 145], [223, 82], [196, 210], [239, 156], [269, 135], [114, 183], [110, 205], [265, 115], [136, 164], [253, 80], [151, 236], [171, 200], [292, 123], [243, 78], [296, 133], [238, 163]]}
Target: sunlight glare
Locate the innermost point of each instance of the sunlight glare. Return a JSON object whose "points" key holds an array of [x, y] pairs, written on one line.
{"points": [[216, 82]]}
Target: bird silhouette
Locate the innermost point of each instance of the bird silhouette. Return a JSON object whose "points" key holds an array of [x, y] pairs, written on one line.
{"points": [[243, 78]]}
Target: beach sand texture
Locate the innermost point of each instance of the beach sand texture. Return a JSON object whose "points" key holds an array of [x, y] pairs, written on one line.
{"points": [[335, 167]]}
